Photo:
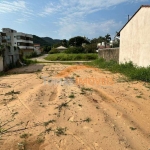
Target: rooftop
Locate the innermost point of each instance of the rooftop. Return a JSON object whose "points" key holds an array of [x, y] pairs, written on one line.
{"points": [[148, 6]]}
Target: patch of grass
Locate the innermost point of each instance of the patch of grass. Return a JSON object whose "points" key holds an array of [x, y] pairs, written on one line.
{"points": [[12, 92], [62, 105], [13, 98], [72, 96], [60, 131], [48, 122], [147, 86], [97, 107], [21, 146], [40, 139], [15, 113], [25, 135], [139, 96], [2, 74], [80, 105], [87, 120], [28, 61], [128, 69], [71, 57], [86, 89], [132, 128], [83, 90], [48, 130]]}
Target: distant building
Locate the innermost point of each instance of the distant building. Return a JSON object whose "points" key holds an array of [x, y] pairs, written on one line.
{"points": [[61, 48], [102, 45], [9, 55], [18, 39], [135, 38], [37, 48]]}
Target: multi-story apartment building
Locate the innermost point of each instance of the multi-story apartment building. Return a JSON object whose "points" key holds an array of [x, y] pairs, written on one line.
{"points": [[18, 39], [2, 38]]}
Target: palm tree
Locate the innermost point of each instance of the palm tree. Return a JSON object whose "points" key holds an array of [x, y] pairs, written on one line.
{"points": [[107, 39]]}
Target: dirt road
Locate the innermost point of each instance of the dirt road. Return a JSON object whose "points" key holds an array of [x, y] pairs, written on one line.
{"points": [[72, 107]]}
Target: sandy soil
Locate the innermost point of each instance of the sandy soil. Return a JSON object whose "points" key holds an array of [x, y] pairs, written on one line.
{"points": [[72, 107]]}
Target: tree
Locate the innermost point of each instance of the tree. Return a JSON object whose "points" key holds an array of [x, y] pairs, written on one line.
{"points": [[77, 41], [91, 48], [46, 49], [57, 45], [107, 39], [100, 39], [64, 43]]}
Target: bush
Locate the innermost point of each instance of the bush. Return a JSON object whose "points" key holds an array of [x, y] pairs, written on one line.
{"points": [[53, 51], [91, 48], [28, 62], [74, 50], [33, 54]]}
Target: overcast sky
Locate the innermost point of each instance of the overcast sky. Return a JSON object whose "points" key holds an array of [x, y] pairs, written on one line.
{"points": [[63, 19]]}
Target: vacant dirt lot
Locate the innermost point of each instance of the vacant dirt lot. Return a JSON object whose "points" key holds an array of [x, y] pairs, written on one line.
{"points": [[72, 107]]}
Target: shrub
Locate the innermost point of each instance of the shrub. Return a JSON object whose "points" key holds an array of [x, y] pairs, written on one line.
{"points": [[32, 55], [53, 51], [91, 48], [74, 50]]}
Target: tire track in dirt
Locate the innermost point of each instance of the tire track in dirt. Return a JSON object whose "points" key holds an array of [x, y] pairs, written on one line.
{"points": [[108, 104]]}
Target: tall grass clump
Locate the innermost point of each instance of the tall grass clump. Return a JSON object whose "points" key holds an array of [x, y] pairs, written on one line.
{"points": [[128, 69], [71, 57], [28, 61]]}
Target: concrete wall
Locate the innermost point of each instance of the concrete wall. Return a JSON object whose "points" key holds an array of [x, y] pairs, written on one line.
{"points": [[135, 39], [11, 56], [109, 54], [1, 63]]}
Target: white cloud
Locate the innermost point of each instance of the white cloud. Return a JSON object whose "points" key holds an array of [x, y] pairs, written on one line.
{"points": [[7, 7], [73, 13], [20, 7], [88, 29], [81, 7]]}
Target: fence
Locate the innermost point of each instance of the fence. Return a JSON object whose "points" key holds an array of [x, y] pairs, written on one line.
{"points": [[109, 54]]}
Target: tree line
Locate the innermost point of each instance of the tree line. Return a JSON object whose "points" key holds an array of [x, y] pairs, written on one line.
{"points": [[79, 42]]}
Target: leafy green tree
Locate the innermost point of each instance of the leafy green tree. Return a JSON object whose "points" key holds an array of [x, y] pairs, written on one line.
{"points": [[53, 51], [77, 41], [46, 49], [65, 43], [100, 39], [57, 45], [91, 48], [107, 39]]}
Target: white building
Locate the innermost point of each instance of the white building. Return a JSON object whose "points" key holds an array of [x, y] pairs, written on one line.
{"points": [[9, 55], [37, 49], [18, 39], [135, 38]]}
